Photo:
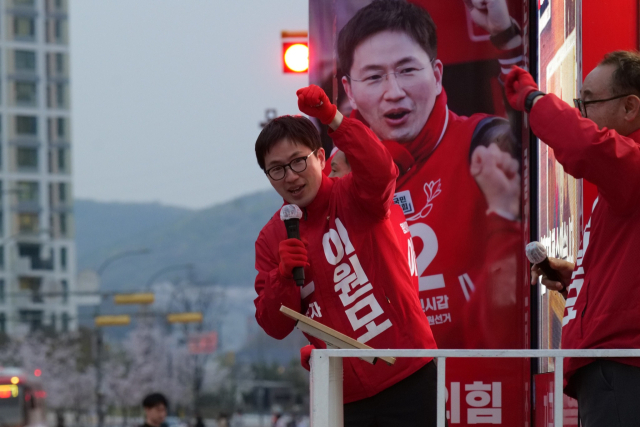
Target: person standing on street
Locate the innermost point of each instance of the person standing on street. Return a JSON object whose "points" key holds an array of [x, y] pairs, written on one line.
{"points": [[599, 141]]}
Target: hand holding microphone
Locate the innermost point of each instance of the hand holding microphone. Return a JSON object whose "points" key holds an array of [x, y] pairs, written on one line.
{"points": [[293, 253], [556, 273]]}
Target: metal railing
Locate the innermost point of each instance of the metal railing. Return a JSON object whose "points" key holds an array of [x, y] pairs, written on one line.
{"points": [[326, 375]]}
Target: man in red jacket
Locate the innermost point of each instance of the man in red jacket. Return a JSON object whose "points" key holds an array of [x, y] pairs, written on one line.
{"points": [[600, 142], [357, 279]]}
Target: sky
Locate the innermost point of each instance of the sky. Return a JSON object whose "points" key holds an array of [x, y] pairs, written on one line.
{"points": [[167, 96]]}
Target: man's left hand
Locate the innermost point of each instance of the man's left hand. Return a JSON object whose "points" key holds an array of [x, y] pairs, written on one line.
{"points": [[518, 85]]}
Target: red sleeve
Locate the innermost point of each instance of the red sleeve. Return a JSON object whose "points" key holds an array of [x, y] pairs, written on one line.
{"points": [[373, 172], [493, 312], [273, 291], [603, 157], [508, 59]]}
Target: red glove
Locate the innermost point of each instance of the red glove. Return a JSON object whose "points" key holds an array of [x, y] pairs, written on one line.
{"points": [[518, 85], [314, 102], [305, 356], [293, 253]]}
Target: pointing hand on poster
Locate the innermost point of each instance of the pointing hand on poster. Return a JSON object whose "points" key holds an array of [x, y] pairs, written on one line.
{"points": [[496, 173], [492, 15]]}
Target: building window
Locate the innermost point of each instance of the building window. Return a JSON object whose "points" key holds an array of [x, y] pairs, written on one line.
{"points": [[3, 323], [33, 252], [62, 128], [24, 2], [1, 291], [63, 224], [62, 160], [60, 98], [26, 125], [62, 192], [24, 27], [63, 259], [33, 318], [2, 264], [32, 284], [53, 321], [65, 322], [25, 93], [27, 191], [60, 63], [65, 291], [25, 60], [27, 158], [28, 223]]}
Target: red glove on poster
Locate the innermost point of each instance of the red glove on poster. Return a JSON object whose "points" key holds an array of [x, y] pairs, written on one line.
{"points": [[305, 356], [518, 85], [314, 102], [293, 253]]}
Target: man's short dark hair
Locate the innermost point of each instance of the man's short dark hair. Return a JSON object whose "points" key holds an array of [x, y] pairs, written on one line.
{"points": [[297, 129], [386, 15], [154, 399], [626, 77]]}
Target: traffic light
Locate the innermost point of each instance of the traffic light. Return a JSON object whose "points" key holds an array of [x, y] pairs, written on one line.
{"points": [[188, 317], [295, 52], [137, 298], [116, 320]]}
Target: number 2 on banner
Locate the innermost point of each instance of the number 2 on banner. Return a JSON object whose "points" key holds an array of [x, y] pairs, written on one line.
{"points": [[429, 250]]}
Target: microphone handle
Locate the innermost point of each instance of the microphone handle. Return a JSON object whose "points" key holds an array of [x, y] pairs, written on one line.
{"points": [[551, 273], [293, 232]]}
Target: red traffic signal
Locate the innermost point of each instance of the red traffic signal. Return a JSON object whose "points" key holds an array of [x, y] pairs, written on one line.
{"points": [[295, 57], [295, 52]]}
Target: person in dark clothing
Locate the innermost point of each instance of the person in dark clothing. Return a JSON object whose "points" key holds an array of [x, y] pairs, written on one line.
{"points": [[155, 410]]}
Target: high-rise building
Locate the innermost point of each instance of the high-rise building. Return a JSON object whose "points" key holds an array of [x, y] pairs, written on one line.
{"points": [[37, 250]]}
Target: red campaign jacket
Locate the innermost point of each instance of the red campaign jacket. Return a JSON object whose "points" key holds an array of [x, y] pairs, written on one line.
{"points": [[359, 281], [467, 260], [602, 308]]}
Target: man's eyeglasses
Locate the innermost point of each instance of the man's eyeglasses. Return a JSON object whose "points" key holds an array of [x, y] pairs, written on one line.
{"points": [[297, 165], [582, 105], [404, 74]]}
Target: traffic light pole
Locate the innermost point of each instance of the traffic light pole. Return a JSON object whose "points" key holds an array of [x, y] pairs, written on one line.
{"points": [[99, 376]]}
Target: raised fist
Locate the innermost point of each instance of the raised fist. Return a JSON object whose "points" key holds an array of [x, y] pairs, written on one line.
{"points": [[496, 173], [314, 102], [492, 15]]}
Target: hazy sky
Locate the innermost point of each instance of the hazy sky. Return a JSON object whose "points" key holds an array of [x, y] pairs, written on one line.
{"points": [[167, 95]]}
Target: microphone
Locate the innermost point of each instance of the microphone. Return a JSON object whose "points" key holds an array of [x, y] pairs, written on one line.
{"points": [[291, 215], [537, 254]]}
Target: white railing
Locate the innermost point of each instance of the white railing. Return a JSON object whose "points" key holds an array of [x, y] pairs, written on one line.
{"points": [[326, 375]]}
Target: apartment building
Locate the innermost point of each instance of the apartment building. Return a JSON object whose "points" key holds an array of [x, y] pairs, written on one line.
{"points": [[37, 250]]}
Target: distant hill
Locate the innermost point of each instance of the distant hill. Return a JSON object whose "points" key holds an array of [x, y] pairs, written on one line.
{"points": [[219, 240], [102, 225]]}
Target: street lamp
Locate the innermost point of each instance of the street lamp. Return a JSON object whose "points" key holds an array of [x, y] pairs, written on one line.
{"points": [[188, 267], [99, 337]]}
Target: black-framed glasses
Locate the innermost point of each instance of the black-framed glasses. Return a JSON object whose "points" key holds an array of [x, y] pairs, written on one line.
{"points": [[297, 165], [582, 105]]}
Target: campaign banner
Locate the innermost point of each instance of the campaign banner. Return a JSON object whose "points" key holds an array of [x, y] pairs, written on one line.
{"points": [[544, 404], [560, 221], [431, 89]]}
